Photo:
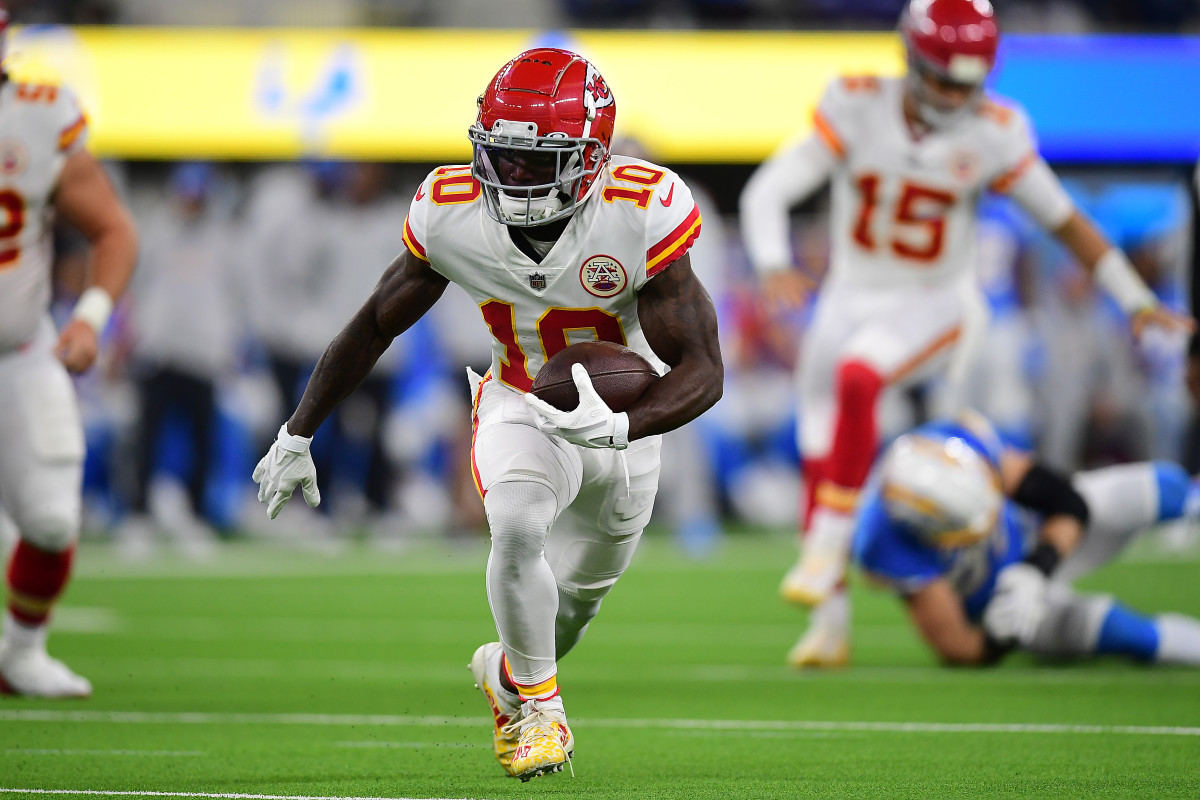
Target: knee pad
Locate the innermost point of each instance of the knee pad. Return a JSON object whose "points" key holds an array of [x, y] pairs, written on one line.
{"points": [[52, 531], [519, 516]]}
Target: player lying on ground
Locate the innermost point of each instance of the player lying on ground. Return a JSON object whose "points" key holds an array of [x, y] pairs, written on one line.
{"points": [[908, 159], [556, 242], [942, 524]]}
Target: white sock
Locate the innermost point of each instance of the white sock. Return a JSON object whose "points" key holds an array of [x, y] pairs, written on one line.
{"points": [[19, 636], [834, 613], [830, 530], [1178, 640]]}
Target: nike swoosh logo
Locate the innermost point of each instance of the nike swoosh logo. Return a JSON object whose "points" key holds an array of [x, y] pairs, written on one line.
{"points": [[666, 201], [421, 191]]}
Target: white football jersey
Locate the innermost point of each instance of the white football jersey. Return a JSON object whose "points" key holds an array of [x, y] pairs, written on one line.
{"points": [[904, 207], [638, 219], [40, 127]]}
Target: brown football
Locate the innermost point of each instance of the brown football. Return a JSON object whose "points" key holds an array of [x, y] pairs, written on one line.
{"points": [[619, 375]]}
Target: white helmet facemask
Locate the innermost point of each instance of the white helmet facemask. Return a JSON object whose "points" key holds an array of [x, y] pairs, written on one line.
{"points": [[963, 69], [537, 204]]}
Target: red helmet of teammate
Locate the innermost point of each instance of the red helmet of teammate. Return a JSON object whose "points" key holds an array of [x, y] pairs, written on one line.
{"points": [[954, 38], [542, 136], [955, 42]]}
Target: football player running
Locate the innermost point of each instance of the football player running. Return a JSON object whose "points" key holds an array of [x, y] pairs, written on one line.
{"points": [[941, 525], [555, 241], [45, 169], [908, 159]]}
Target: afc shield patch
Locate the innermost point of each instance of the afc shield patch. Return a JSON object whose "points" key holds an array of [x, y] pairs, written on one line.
{"points": [[537, 281], [602, 276]]}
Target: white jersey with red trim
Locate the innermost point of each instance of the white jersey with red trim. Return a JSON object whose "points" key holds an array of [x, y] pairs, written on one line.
{"points": [[638, 219], [904, 206], [40, 126]]}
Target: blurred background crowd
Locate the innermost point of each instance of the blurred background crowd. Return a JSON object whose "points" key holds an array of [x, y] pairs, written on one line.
{"points": [[247, 270], [1041, 15]]}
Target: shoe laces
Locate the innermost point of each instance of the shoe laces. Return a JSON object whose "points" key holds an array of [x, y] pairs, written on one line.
{"points": [[535, 716]]}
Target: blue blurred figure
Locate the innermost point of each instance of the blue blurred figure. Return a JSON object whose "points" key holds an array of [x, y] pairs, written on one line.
{"points": [[982, 543]]}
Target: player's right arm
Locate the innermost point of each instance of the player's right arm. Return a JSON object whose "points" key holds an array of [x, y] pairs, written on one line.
{"points": [[409, 288], [781, 182], [937, 612]]}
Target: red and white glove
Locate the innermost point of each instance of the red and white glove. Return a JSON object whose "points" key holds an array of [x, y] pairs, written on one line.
{"points": [[286, 465], [591, 424]]}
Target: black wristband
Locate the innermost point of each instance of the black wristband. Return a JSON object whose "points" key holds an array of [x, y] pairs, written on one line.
{"points": [[1051, 494], [1045, 558], [994, 649]]}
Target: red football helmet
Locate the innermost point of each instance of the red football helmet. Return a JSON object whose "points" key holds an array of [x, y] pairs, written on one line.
{"points": [[954, 40], [549, 113]]}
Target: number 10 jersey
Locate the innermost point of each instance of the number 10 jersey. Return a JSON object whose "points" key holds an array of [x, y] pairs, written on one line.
{"points": [[638, 219]]}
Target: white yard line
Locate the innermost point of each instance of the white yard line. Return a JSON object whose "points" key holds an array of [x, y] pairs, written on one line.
{"points": [[227, 795], [409, 745], [29, 751], [391, 720]]}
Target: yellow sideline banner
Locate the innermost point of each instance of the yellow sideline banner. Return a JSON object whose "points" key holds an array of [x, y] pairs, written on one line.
{"points": [[410, 94]]}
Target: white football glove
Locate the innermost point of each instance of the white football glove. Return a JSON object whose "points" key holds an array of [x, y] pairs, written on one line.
{"points": [[1018, 605], [285, 466], [591, 424]]}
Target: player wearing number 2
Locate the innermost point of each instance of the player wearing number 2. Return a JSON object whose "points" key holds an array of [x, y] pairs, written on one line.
{"points": [[46, 169], [908, 159], [556, 242]]}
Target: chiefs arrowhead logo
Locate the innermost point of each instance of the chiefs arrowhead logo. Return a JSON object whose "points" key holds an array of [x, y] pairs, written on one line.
{"points": [[597, 94]]}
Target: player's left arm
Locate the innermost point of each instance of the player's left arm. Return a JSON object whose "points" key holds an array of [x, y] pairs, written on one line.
{"points": [[86, 198], [680, 325], [1112, 270], [1063, 509], [1032, 183], [937, 613]]}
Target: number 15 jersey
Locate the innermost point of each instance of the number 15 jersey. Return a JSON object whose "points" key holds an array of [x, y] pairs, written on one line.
{"points": [[638, 219], [904, 206]]}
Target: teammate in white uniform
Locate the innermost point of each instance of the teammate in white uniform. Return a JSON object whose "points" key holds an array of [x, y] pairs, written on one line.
{"points": [[908, 159], [556, 242], [46, 169]]}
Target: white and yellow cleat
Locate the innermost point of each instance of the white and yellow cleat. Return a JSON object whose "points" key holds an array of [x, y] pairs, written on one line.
{"points": [[505, 706], [818, 648], [822, 564], [826, 643], [32, 672], [545, 741]]}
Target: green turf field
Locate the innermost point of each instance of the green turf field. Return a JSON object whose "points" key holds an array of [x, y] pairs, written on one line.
{"points": [[275, 672]]}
